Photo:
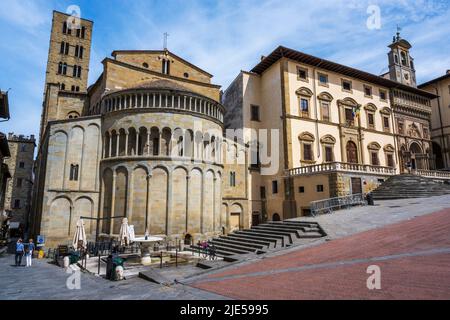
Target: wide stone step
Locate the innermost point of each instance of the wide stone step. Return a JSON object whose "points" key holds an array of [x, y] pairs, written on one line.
{"points": [[219, 252], [264, 233], [290, 232], [245, 242], [238, 244], [267, 243], [226, 248], [284, 227]]}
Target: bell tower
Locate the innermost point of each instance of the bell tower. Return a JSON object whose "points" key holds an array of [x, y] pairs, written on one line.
{"points": [[401, 64]]}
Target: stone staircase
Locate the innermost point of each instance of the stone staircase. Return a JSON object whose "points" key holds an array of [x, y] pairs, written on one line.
{"points": [[264, 237], [410, 186]]}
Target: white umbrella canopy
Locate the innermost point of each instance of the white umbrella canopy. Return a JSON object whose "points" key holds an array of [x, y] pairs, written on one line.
{"points": [[124, 233], [79, 240]]}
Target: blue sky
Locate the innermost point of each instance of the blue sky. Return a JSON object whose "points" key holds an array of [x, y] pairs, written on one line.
{"points": [[222, 37]]}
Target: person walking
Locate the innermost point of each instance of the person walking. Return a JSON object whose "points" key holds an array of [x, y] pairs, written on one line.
{"points": [[29, 252], [19, 252]]}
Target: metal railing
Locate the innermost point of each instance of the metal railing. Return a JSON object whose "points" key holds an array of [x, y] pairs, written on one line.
{"points": [[333, 204]]}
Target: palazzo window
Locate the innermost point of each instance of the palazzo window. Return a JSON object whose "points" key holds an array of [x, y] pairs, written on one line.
{"points": [[389, 153], [304, 96], [325, 100], [329, 154], [306, 146], [302, 74], [386, 125], [323, 79], [328, 143], [368, 91], [374, 149], [371, 120], [304, 107], [346, 85], [374, 158], [325, 110], [349, 116]]}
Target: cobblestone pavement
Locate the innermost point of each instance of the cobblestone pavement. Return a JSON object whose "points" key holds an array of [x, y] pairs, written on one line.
{"points": [[403, 237], [47, 281], [414, 257]]}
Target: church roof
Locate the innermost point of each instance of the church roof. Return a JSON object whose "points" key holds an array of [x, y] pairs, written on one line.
{"points": [[283, 52], [160, 84], [115, 52]]}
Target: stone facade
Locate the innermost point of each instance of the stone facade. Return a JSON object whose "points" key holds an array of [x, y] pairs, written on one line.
{"points": [[19, 188], [146, 142]]}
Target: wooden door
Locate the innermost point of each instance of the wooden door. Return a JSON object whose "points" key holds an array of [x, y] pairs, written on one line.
{"points": [[352, 152], [356, 186]]}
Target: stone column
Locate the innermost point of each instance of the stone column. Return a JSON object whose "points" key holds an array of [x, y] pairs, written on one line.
{"points": [[148, 205], [202, 209], [110, 146], [187, 203], [136, 150], [117, 144], [214, 204], [169, 204], [148, 141], [113, 201], [126, 142]]}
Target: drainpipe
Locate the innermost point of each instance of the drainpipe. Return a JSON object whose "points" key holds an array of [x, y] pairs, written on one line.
{"points": [[316, 109]]}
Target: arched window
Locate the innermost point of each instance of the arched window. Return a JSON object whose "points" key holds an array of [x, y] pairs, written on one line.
{"points": [[404, 59], [165, 66], [352, 152], [74, 172]]}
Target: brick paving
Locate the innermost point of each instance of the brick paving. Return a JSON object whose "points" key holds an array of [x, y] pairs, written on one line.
{"points": [[414, 257]]}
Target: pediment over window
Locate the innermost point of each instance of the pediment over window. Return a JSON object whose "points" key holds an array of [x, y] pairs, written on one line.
{"points": [[349, 102], [389, 148], [371, 107], [328, 139], [306, 136], [303, 91], [386, 111], [374, 146], [325, 96]]}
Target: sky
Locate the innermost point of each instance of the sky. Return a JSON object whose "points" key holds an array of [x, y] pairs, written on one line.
{"points": [[220, 36]]}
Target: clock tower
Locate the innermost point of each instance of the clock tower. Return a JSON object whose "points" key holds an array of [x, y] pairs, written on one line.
{"points": [[401, 64]]}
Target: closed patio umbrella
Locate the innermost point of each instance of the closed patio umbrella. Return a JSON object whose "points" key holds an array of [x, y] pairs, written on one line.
{"points": [[79, 240], [124, 233]]}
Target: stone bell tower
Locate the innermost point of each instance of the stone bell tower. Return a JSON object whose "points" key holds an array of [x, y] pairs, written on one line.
{"points": [[401, 64]]}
